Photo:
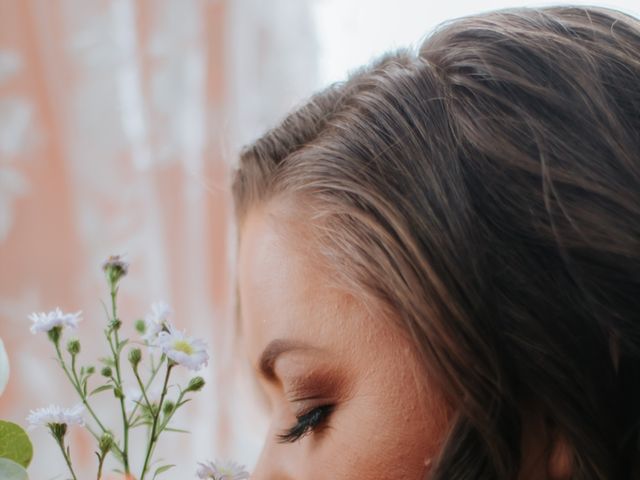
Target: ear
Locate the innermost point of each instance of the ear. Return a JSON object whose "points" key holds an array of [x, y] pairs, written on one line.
{"points": [[560, 466]]}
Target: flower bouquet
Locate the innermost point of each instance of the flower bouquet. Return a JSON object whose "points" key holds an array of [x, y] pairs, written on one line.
{"points": [[161, 349]]}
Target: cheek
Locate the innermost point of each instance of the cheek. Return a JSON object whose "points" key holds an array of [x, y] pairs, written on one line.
{"points": [[389, 428]]}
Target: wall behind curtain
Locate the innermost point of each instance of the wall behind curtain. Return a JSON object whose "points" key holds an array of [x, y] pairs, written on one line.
{"points": [[119, 121]]}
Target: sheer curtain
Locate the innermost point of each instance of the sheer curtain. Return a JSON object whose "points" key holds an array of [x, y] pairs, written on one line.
{"points": [[119, 121]]}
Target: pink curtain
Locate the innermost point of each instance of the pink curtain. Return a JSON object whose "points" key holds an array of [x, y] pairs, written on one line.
{"points": [[119, 120]]}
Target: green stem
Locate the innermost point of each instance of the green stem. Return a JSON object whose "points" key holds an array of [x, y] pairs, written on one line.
{"points": [[154, 372], [67, 459], [78, 389], [100, 463], [85, 401], [156, 414], [142, 388], [167, 419], [116, 358]]}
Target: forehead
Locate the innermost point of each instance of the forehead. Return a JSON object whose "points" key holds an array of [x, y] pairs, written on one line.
{"points": [[284, 289]]}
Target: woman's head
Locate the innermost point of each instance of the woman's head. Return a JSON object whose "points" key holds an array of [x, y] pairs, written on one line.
{"points": [[456, 230]]}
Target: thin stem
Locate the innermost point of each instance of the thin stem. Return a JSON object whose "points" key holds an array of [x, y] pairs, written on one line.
{"points": [[156, 414], [142, 388], [78, 389], [65, 454], [114, 308], [116, 358], [154, 372], [168, 417], [85, 401], [100, 463]]}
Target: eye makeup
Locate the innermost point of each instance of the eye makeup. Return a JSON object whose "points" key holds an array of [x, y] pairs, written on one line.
{"points": [[315, 394], [306, 423]]}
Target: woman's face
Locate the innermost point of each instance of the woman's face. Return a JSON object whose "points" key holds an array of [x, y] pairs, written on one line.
{"points": [[348, 396]]}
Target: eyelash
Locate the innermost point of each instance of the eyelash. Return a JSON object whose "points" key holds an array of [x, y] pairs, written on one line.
{"points": [[306, 423]]}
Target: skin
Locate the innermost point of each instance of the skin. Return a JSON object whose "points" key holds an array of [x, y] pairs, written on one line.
{"points": [[386, 422]]}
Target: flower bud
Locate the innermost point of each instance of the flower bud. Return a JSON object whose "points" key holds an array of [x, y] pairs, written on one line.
{"points": [[54, 334], [141, 327], [58, 430], [105, 443], [195, 384], [117, 392], [106, 372], [168, 407], [115, 324], [135, 355], [115, 268], [73, 346], [91, 370]]}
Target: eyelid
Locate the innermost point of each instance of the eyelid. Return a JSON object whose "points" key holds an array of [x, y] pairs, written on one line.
{"points": [[317, 383], [305, 398], [306, 423], [294, 396], [306, 405], [319, 388]]}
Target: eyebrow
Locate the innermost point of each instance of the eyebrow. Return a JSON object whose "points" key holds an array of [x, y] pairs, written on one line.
{"points": [[273, 350]]}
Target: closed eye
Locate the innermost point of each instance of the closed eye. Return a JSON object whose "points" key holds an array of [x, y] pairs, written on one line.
{"points": [[306, 423]]}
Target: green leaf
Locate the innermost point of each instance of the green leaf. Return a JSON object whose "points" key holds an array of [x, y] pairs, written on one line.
{"points": [[15, 444], [107, 361], [162, 469], [122, 344], [116, 454], [177, 430], [101, 389], [10, 470], [182, 402]]}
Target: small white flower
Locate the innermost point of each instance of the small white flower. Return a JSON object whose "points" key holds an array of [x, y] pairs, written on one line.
{"points": [[4, 367], [186, 351], [53, 414], [43, 322], [227, 470], [157, 320]]}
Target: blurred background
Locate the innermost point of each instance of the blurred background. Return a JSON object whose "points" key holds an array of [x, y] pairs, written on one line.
{"points": [[119, 123]]}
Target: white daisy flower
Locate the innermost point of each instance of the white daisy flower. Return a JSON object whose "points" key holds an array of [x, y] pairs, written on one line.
{"points": [[44, 322], [156, 321], [186, 351], [227, 470], [53, 414]]}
